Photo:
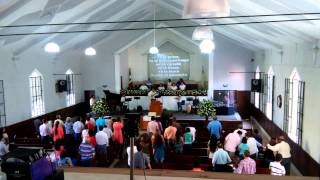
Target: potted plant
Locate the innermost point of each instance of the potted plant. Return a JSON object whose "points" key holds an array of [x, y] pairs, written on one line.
{"points": [[100, 107], [206, 109]]}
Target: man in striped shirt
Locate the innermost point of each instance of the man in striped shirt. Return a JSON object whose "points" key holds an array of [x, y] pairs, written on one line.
{"points": [[276, 168], [247, 165], [87, 152]]}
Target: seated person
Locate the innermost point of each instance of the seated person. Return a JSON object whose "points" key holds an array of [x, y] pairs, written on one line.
{"points": [[144, 87], [172, 87], [152, 94], [60, 154], [161, 87], [169, 84], [140, 159], [182, 86], [149, 83]]}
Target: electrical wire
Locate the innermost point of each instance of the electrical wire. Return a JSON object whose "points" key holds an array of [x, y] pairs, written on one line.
{"points": [[160, 20], [150, 28]]}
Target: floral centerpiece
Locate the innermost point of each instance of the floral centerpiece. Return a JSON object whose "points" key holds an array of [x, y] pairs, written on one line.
{"points": [[100, 107], [206, 109]]}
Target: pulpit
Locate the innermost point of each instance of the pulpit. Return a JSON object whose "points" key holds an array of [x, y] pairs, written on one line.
{"points": [[155, 106]]}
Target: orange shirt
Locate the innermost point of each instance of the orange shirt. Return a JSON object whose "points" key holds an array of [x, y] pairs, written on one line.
{"points": [[59, 135], [170, 133]]}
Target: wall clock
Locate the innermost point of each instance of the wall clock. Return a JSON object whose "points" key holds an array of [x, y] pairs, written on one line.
{"points": [[279, 101]]}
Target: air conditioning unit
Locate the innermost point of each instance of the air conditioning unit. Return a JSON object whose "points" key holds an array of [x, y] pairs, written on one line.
{"points": [[61, 86]]}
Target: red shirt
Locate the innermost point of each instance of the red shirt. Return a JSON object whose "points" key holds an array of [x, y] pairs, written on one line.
{"points": [[93, 141]]}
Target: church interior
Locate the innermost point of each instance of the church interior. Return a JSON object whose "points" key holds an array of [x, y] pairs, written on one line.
{"points": [[155, 89]]}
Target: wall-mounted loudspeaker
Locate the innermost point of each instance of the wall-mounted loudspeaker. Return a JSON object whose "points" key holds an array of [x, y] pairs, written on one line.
{"points": [[256, 85], [61, 86]]}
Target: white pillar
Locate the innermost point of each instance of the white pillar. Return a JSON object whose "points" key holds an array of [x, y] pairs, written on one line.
{"points": [[210, 75], [117, 73]]}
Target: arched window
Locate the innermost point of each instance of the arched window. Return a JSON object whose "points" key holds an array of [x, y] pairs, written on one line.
{"points": [[294, 97], [269, 107], [70, 98], [256, 94], [36, 93]]}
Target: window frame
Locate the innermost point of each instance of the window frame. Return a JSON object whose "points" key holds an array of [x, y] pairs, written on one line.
{"points": [[3, 117], [36, 89], [70, 96]]}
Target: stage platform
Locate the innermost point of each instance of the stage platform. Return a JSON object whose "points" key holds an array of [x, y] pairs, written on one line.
{"points": [[185, 116]]}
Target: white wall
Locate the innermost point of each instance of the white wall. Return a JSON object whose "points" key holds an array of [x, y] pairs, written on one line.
{"points": [[231, 57], [16, 81], [302, 57], [99, 70], [136, 56]]}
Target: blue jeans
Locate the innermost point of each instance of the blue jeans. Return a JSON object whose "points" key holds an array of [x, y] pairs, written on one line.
{"points": [[286, 163]]}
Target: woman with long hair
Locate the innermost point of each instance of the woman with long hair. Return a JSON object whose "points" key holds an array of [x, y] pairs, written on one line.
{"points": [[57, 132], [158, 147]]}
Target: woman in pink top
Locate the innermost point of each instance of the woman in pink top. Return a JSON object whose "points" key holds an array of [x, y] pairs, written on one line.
{"points": [[57, 132], [117, 131]]}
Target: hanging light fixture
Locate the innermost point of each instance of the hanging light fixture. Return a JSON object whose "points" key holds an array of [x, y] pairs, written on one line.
{"points": [[90, 51], [154, 49], [206, 8], [52, 47], [202, 33], [207, 46]]}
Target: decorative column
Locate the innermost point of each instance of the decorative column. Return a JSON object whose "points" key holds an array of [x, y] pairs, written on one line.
{"points": [[210, 75]]}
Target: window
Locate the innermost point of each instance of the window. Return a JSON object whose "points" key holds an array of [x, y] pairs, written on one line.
{"points": [[270, 89], [294, 101], [36, 93], [256, 94], [3, 120], [70, 98]]}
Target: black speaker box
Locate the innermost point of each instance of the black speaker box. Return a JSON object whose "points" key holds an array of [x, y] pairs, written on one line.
{"points": [[256, 85], [61, 86]]}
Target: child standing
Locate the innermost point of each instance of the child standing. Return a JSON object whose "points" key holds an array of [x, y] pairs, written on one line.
{"points": [[187, 141]]}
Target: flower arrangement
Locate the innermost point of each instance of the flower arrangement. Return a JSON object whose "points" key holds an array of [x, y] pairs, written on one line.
{"points": [[206, 109], [167, 92], [100, 107]]}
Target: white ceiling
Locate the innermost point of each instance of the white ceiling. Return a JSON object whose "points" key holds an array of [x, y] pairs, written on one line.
{"points": [[253, 36]]}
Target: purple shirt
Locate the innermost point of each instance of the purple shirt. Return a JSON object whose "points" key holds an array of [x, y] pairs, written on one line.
{"points": [[246, 166]]}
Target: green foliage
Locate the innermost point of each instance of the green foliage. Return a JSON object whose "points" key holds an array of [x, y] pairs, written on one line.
{"points": [[100, 107], [206, 109]]}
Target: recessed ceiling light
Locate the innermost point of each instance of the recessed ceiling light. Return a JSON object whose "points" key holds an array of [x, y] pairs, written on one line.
{"points": [[52, 47], [90, 51]]}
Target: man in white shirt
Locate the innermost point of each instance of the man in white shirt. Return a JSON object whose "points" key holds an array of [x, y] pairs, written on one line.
{"points": [[109, 133], [77, 129], [152, 94], [253, 146], [283, 148], [102, 140], [276, 168], [45, 132]]}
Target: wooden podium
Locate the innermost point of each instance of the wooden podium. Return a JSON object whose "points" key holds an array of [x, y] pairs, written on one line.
{"points": [[155, 106]]}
